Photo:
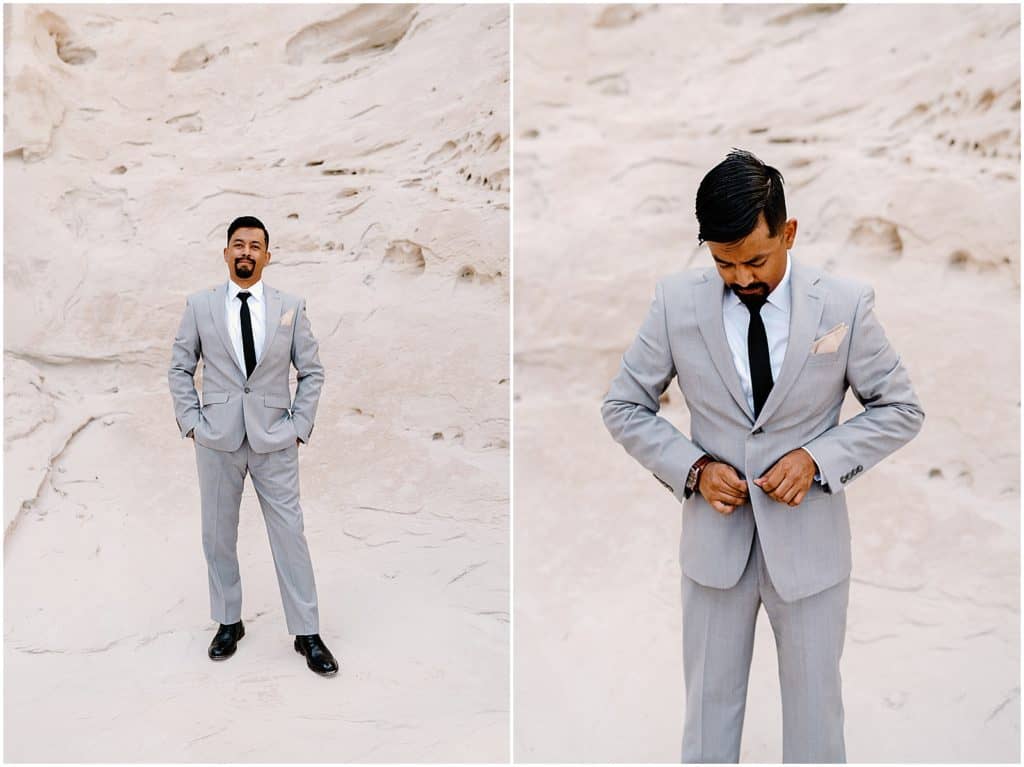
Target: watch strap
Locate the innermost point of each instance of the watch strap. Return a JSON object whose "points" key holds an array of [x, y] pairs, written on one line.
{"points": [[693, 478]]}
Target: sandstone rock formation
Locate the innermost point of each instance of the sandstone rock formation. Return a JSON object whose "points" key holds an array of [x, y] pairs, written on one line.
{"points": [[373, 142], [897, 129]]}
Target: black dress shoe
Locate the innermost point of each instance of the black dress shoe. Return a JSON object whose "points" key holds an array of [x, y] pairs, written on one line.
{"points": [[318, 657], [225, 641]]}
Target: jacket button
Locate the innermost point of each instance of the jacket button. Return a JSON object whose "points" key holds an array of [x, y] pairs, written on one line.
{"points": [[246, 389], [860, 468], [758, 430]]}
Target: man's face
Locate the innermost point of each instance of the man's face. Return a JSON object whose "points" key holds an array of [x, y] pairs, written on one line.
{"points": [[755, 265], [246, 254]]}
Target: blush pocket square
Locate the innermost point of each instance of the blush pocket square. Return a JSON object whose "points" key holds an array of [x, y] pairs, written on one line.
{"points": [[829, 342], [287, 317]]}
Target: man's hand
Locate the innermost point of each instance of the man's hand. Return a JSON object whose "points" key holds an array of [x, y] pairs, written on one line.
{"points": [[722, 487], [790, 478]]}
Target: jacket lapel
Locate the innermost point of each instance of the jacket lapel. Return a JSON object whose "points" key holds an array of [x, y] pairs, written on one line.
{"points": [[807, 306], [708, 302], [220, 322], [273, 299]]}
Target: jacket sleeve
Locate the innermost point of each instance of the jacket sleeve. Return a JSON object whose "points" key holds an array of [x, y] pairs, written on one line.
{"points": [[892, 414], [630, 409], [310, 374], [185, 355]]}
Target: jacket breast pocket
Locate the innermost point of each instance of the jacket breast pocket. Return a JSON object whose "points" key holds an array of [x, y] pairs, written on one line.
{"points": [[282, 337]]}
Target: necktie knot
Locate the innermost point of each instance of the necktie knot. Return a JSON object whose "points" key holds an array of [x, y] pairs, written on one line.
{"points": [[244, 295]]}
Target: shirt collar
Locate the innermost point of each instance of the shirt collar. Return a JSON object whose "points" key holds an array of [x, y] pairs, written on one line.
{"points": [[780, 298], [256, 290]]}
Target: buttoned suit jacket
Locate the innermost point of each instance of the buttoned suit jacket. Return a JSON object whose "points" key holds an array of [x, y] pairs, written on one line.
{"points": [[259, 407], [807, 547]]}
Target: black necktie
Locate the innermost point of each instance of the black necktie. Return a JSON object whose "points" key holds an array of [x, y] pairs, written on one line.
{"points": [[248, 347], [757, 352]]}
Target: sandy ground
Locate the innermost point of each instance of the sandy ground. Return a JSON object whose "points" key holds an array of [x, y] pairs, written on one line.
{"points": [[898, 132], [373, 142]]}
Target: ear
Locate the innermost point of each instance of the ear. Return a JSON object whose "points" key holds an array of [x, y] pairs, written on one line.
{"points": [[268, 258], [789, 232]]}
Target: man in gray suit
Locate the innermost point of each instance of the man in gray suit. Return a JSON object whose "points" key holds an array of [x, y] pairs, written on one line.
{"points": [[248, 335], [764, 349]]}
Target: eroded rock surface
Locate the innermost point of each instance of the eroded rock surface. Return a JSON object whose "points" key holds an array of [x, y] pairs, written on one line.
{"points": [[898, 132], [133, 136]]}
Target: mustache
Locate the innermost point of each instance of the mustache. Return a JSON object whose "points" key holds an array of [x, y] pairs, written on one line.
{"points": [[759, 287]]}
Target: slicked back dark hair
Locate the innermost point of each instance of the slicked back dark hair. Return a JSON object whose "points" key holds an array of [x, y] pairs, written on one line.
{"points": [[249, 222], [734, 193]]}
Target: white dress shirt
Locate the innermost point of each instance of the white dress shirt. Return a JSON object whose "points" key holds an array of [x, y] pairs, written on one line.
{"points": [[257, 313], [775, 315]]}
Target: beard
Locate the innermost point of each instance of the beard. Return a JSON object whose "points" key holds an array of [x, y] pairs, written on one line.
{"points": [[244, 268], [759, 289]]}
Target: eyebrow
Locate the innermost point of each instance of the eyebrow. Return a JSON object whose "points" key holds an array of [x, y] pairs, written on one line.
{"points": [[238, 240], [748, 261]]}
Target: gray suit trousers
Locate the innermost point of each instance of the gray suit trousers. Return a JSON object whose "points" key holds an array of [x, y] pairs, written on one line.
{"points": [[275, 476], [718, 643]]}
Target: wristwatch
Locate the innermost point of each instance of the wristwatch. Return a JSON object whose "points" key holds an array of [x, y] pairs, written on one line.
{"points": [[693, 478]]}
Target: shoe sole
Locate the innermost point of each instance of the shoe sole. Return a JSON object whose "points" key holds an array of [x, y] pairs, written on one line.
{"points": [[318, 673]]}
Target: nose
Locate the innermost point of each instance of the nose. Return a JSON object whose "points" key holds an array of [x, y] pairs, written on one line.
{"points": [[744, 276]]}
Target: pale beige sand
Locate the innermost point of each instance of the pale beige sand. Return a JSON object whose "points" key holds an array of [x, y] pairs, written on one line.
{"points": [[897, 129], [373, 142]]}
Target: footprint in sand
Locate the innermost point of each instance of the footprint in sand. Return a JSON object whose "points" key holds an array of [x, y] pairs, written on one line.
{"points": [[407, 255], [878, 235]]}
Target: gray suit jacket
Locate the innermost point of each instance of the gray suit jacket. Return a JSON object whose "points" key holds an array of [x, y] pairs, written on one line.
{"points": [[233, 407], [806, 548]]}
